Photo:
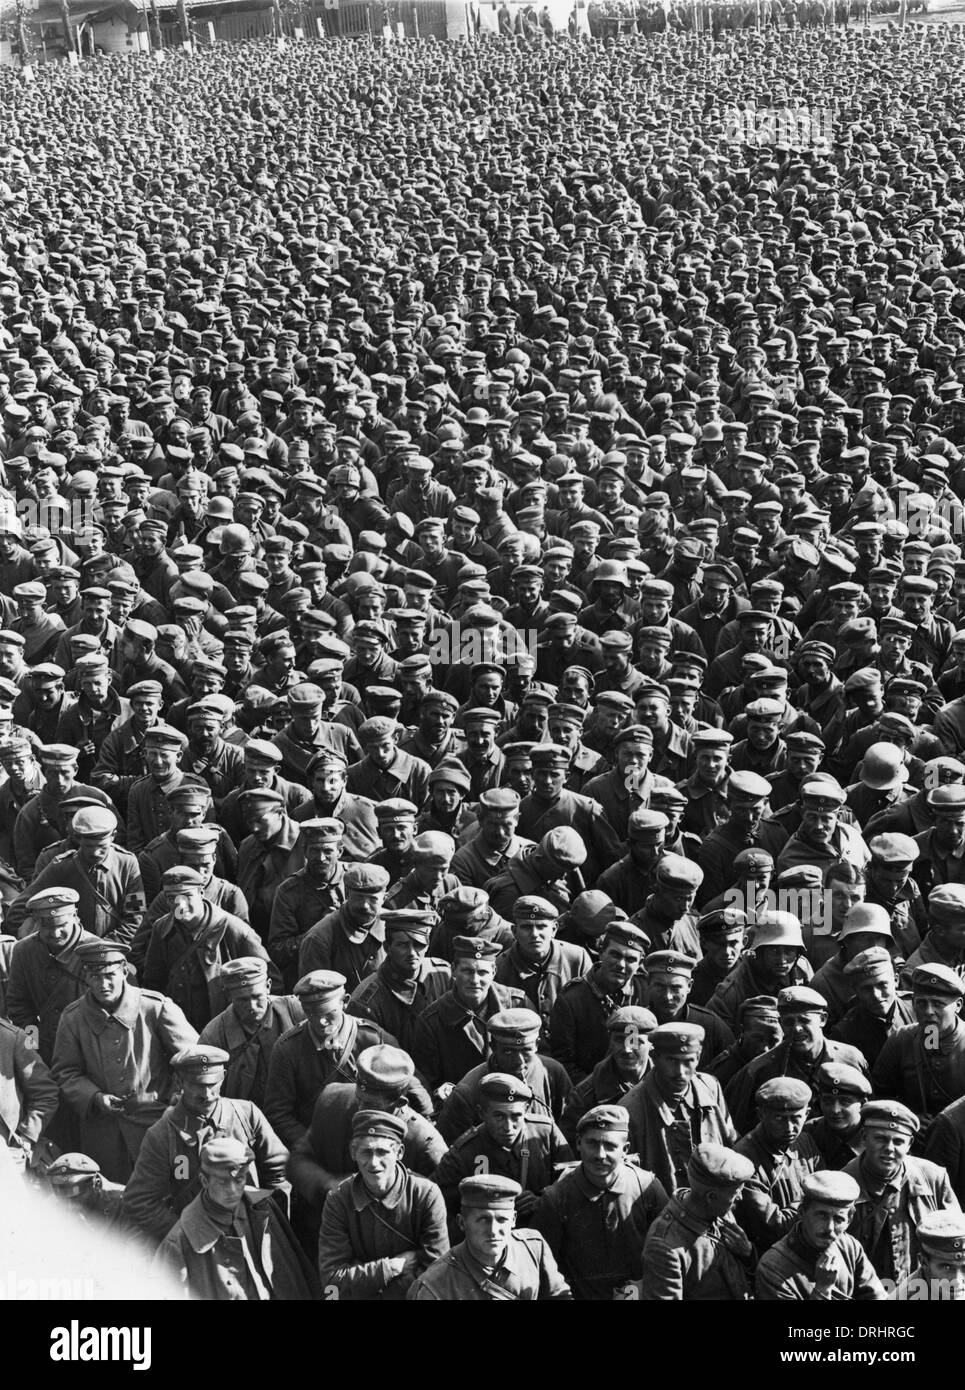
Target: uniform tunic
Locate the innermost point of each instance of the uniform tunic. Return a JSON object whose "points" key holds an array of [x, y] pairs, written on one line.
{"points": [[396, 1004], [786, 1272], [923, 1078], [664, 1132], [246, 1075], [361, 1233], [167, 1174], [887, 1214], [300, 1069], [255, 1258], [685, 1260], [527, 1273], [450, 1039], [597, 1234], [124, 1054]]}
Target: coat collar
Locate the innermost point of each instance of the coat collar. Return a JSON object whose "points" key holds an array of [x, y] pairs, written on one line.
{"points": [[203, 1234]]}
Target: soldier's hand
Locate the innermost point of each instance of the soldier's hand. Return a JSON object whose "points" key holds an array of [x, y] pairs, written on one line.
{"points": [[444, 1091], [105, 1104], [88, 749], [407, 1264], [826, 1270]]}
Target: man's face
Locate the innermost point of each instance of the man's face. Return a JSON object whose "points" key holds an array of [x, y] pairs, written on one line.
{"points": [[602, 1153], [382, 752], [535, 938], [48, 694], [377, 1160], [936, 1011], [321, 856], [200, 1092], [471, 980], [59, 779], [363, 904], [617, 966], [823, 1224], [724, 948], [325, 1017], [56, 932], [223, 1188], [674, 1071], [161, 762], [667, 994], [950, 833], [755, 636], [804, 1032], [487, 1233], [251, 1004], [818, 826], [397, 836], [11, 659], [405, 953], [885, 1149], [782, 1127], [107, 983], [504, 1121], [841, 1111]]}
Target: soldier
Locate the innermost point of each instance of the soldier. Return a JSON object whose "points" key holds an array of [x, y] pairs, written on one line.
{"points": [[537, 963], [695, 1249], [842, 1090], [923, 1064], [803, 1048], [514, 1041], [261, 763], [383, 1226], [493, 1263], [269, 855], [669, 975], [895, 1190], [75, 1179], [675, 1107], [106, 879], [722, 939], [774, 962], [487, 853], [326, 774], [148, 800], [386, 1082], [782, 1155], [250, 1026], [232, 1243], [818, 1261], [407, 981], [551, 869], [549, 806], [167, 1174], [511, 1140], [189, 944], [578, 1032], [451, 1035], [316, 892], [748, 799], [385, 772], [601, 1258], [626, 1063], [112, 1058], [940, 1273], [879, 1010], [40, 821], [313, 1054], [28, 1095], [631, 880], [46, 973]]}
